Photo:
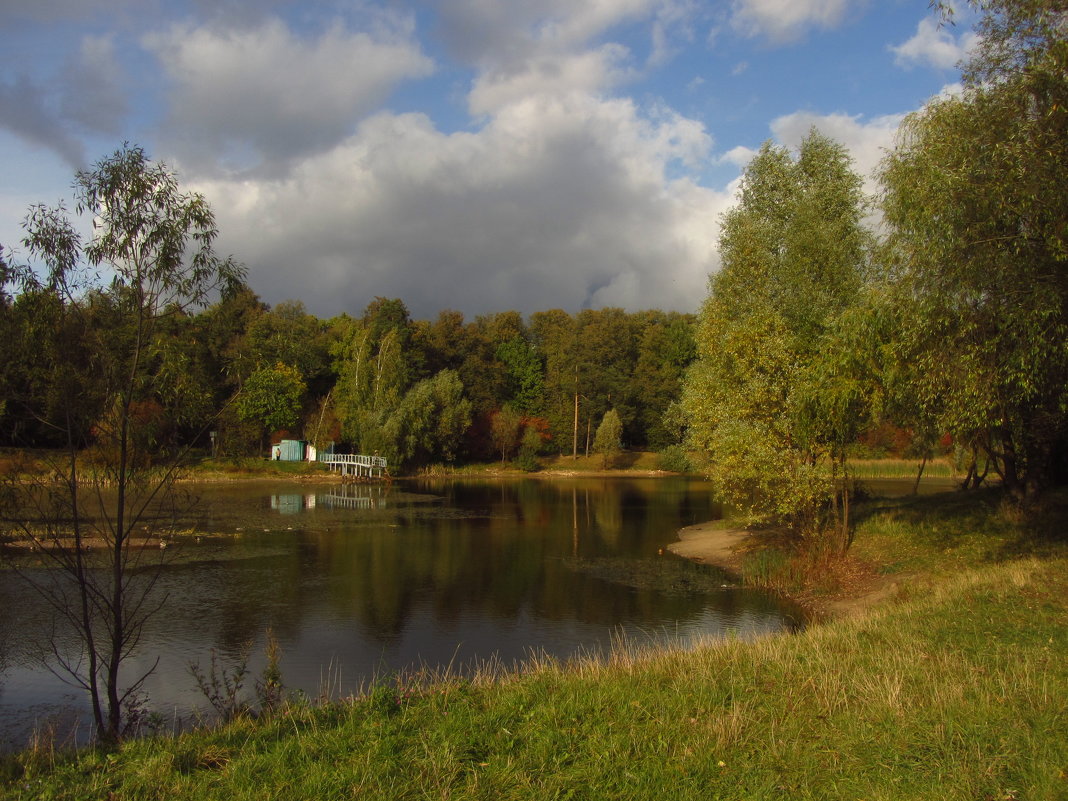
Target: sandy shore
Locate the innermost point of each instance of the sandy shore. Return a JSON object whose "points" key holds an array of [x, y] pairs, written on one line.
{"points": [[712, 543]]}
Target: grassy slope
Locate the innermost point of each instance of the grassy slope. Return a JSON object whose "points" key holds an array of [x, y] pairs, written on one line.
{"points": [[958, 691]]}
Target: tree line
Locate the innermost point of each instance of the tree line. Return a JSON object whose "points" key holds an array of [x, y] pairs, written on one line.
{"points": [[416, 391]]}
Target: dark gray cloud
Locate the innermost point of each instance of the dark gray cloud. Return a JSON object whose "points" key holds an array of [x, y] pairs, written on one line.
{"points": [[25, 112], [91, 91]]}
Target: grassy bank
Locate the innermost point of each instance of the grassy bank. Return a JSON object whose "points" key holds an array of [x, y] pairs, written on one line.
{"points": [[954, 689]]}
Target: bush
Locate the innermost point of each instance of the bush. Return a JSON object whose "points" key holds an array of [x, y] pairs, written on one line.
{"points": [[674, 459], [527, 461]]}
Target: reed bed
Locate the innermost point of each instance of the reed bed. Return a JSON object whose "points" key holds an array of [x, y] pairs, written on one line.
{"points": [[900, 468]]}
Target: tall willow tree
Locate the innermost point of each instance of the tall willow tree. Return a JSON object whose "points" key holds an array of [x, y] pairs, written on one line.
{"points": [[759, 403], [978, 207], [373, 373]]}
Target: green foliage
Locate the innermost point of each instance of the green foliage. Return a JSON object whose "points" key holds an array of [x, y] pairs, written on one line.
{"points": [[109, 374], [525, 374], [766, 402], [429, 422], [674, 459], [222, 685], [506, 428], [270, 686], [382, 701], [609, 438], [555, 336], [666, 349], [373, 374], [978, 247], [534, 439], [288, 334], [272, 397]]}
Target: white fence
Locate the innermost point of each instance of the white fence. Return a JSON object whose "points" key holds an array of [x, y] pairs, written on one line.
{"points": [[354, 464]]}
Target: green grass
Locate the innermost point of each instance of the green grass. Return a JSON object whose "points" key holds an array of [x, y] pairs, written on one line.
{"points": [[642, 461], [900, 468], [627, 460], [938, 535], [957, 689]]}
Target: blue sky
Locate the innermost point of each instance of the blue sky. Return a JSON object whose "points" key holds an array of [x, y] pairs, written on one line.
{"points": [[478, 155]]}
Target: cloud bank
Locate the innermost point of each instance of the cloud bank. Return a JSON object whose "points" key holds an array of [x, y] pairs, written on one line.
{"points": [[475, 154], [556, 202]]}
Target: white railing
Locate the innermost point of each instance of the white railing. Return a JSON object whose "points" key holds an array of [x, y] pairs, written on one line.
{"points": [[354, 464], [353, 458]]}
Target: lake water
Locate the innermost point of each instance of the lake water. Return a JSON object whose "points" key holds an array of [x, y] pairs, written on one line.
{"points": [[358, 581]]}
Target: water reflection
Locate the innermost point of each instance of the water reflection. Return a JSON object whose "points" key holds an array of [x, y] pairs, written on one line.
{"points": [[372, 579], [342, 496]]}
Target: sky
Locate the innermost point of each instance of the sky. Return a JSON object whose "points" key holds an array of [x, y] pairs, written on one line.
{"points": [[476, 155]]}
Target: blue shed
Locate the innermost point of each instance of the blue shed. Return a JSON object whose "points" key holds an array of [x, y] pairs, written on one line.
{"points": [[291, 450]]}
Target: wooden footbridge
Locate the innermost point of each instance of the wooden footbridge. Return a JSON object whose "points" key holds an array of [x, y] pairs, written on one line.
{"points": [[355, 465]]}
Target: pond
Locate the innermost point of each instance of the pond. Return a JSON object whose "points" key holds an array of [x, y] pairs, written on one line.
{"points": [[359, 581]]}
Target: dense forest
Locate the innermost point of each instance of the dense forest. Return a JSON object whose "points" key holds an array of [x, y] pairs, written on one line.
{"points": [[416, 391]]}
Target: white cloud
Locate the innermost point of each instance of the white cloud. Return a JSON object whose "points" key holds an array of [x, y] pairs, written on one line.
{"points": [[673, 23], [574, 24], [739, 156], [935, 46], [501, 34], [955, 89], [557, 202], [272, 92], [590, 71], [786, 20]]}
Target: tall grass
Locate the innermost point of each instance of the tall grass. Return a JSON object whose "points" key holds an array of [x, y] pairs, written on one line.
{"points": [[900, 468]]}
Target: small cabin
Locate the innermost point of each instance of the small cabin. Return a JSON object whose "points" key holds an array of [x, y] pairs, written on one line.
{"points": [[293, 450]]}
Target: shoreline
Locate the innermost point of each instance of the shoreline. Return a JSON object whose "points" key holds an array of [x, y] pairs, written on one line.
{"points": [[715, 543], [711, 543]]}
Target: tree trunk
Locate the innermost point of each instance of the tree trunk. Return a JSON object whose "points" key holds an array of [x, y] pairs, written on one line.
{"points": [[847, 538], [574, 438], [919, 475]]}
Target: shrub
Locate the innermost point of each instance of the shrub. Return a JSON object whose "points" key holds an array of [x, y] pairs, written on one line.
{"points": [[674, 459]]}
